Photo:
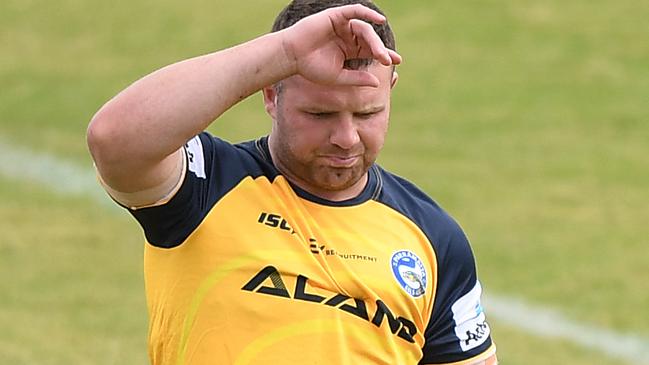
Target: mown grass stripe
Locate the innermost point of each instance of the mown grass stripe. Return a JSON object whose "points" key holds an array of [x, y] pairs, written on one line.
{"points": [[544, 322], [66, 178]]}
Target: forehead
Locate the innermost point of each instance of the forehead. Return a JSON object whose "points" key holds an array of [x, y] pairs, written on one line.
{"points": [[302, 93]]}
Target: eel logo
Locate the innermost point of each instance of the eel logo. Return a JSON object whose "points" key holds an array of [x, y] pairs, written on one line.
{"points": [[410, 273]]}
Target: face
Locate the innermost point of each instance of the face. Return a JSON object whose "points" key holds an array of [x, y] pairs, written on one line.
{"points": [[325, 138]]}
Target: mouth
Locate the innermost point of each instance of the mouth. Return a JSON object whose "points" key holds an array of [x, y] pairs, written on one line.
{"points": [[341, 161]]}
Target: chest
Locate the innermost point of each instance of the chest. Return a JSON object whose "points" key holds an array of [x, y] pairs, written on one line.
{"points": [[362, 251], [264, 260]]}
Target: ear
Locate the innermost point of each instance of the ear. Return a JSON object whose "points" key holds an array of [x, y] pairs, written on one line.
{"points": [[270, 100], [395, 78]]}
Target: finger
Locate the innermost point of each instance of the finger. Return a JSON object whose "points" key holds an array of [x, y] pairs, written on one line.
{"points": [[364, 51], [340, 18], [396, 58], [360, 48], [359, 11], [356, 78], [366, 35]]}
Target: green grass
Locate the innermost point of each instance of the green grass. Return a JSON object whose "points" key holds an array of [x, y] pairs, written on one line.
{"points": [[527, 120], [72, 283], [533, 120], [520, 348]]}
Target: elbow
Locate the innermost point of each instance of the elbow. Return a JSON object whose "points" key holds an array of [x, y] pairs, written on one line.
{"points": [[102, 137]]}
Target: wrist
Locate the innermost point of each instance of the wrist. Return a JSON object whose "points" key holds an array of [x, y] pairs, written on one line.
{"points": [[288, 58]]}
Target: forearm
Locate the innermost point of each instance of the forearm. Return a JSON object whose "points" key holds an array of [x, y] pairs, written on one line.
{"points": [[135, 138], [156, 115], [492, 360]]}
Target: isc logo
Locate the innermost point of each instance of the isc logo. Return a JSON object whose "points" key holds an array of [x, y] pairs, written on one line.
{"points": [[275, 221]]}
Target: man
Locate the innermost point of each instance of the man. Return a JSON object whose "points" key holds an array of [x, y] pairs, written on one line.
{"points": [[296, 247]]}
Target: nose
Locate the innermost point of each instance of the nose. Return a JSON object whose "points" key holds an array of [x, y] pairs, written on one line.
{"points": [[344, 133]]}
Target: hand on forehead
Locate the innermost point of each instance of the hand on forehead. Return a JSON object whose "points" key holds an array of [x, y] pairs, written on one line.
{"points": [[333, 46]]}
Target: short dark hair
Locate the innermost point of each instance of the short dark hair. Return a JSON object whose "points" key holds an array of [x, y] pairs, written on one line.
{"points": [[299, 9]]}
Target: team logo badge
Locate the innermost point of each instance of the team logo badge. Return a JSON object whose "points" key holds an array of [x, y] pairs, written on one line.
{"points": [[410, 272]]}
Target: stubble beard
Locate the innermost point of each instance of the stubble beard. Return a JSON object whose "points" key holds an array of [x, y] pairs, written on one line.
{"points": [[314, 173]]}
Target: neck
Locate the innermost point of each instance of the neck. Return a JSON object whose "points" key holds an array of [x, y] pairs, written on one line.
{"points": [[332, 195]]}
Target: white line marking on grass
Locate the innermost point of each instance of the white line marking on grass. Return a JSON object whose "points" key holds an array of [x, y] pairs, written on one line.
{"points": [[69, 179], [59, 176], [544, 322]]}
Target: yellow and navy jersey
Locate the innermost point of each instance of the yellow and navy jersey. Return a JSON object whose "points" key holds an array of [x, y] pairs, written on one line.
{"points": [[242, 267]]}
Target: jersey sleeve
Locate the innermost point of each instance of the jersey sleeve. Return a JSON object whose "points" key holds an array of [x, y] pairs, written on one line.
{"points": [[213, 167], [458, 330]]}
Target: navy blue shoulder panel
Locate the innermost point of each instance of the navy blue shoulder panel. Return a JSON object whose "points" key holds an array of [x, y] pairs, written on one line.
{"points": [[456, 270], [214, 168]]}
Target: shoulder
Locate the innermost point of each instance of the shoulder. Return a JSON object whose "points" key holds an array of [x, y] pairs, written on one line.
{"points": [[457, 331], [214, 169], [228, 161], [410, 201]]}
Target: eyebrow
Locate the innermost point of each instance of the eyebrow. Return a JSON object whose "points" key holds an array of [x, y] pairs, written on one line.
{"points": [[372, 109], [368, 110]]}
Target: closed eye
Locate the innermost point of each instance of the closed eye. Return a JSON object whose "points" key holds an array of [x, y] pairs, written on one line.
{"points": [[320, 115], [365, 115]]}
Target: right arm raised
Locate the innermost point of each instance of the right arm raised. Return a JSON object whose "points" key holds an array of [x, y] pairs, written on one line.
{"points": [[135, 139]]}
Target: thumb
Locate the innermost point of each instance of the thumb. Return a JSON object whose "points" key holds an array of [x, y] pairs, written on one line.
{"points": [[356, 78]]}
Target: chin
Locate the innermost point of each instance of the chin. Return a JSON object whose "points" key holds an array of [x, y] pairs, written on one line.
{"points": [[339, 181]]}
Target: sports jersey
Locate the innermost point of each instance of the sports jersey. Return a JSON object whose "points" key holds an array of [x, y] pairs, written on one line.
{"points": [[243, 267]]}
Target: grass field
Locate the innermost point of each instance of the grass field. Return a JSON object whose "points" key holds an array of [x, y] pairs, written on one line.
{"points": [[527, 120]]}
